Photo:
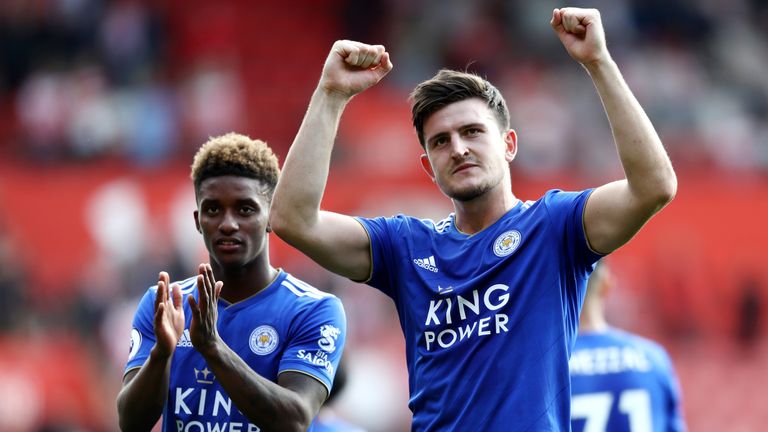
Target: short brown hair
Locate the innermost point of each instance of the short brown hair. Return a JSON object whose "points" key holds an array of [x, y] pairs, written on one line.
{"points": [[237, 155], [450, 86]]}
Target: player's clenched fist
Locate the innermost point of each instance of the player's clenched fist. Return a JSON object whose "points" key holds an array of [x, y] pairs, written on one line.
{"points": [[581, 32], [352, 67]]}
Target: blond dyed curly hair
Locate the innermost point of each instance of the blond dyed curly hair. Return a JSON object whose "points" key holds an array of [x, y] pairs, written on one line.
{"points": [[237, 155]]}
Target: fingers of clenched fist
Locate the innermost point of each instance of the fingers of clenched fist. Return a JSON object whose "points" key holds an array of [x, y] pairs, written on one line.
{"points": [[573, 23], [574, 20], [361, 55], [352, 67]]}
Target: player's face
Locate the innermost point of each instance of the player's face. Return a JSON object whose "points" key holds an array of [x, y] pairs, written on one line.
{"points": [[232, 214], [467, 153]]}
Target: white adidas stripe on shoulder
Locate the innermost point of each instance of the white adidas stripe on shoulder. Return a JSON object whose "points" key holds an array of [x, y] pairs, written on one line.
{"points": [[188, 285], [302, 289], [443, 224]]}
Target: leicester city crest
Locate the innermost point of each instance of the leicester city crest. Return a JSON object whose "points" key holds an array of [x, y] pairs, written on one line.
{"points": [[135, 344], [263, 340], [506, 243]]}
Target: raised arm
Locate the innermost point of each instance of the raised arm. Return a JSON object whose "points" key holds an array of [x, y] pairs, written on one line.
{"points": [[335, 241], [144, 392], [617, 210]]}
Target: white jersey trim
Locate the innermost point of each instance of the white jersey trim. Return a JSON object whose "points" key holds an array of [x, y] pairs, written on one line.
{"points": [[302, 289]]}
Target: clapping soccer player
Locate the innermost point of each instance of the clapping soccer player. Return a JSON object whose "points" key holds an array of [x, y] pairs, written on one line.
{"points": [[243, 346]]}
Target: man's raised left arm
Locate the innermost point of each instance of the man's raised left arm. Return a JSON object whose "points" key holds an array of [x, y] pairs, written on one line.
{"points": [[616, 211]]}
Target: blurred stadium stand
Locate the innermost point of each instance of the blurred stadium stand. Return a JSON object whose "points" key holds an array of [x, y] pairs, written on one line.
{"points": [[102, 104]]}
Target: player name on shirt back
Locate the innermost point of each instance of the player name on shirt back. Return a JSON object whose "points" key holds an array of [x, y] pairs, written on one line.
{"points": [[608, 360]]}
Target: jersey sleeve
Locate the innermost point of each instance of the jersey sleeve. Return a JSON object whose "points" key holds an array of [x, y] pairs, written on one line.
{"points": [[384, 254], [142, 331], [566, 212], [317, 341]]}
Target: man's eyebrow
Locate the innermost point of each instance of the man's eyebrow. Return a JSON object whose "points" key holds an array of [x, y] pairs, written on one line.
{"points": [[437, 135]]}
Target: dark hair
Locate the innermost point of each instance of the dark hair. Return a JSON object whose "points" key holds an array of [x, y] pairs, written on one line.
{"points": [[450, 86], [237, 155]]}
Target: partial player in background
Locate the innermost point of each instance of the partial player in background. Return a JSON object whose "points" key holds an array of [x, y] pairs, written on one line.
{"points": [[327, 420], [620, 382], [242, 346], [488, 298]]}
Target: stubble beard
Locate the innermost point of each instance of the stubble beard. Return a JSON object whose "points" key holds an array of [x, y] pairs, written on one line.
{"points": [[472, 192]]}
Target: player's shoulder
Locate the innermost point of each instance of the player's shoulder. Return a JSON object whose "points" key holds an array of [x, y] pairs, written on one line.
{"points": [[298, 290], [532, 207], [558, 196], [404, 221], [186, 286]]}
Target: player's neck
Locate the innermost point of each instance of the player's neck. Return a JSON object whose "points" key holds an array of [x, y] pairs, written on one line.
{"points": [[592, 322], [480, 213], [243, 282]]}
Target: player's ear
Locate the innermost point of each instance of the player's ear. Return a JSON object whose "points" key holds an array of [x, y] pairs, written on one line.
{"points": [[427, 166], [510, 139], [197, 222]]}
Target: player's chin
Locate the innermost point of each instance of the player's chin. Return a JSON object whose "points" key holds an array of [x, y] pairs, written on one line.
{"points": [[466, 192], [230, 260]]}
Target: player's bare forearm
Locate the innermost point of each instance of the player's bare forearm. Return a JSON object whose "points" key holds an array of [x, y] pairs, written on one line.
{"points": [[263, 402], [296, 202], [649, 173], [616, 211], [335, 241], [350, 68], [141, 400]]}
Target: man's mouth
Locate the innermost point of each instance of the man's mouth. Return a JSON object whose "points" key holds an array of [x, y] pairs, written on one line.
{"points": [[463, 167], [228, 243]]}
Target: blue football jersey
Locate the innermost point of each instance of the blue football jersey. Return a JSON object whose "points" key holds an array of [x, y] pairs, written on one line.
{"points": [[489, 319], [335, 425], [288, 326], [621, 382]]}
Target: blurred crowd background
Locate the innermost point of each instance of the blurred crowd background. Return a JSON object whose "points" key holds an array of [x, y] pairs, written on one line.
{"points": [[103, 103]]}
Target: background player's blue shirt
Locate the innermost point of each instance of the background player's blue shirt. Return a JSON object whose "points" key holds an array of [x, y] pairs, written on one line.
{"points": [[334, 425], [621, 382], [489, 319], [288, 326]]}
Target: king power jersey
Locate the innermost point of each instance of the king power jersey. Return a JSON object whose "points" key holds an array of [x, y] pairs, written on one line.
{"points": [[288, 326], [489, 319], [621, 382]]}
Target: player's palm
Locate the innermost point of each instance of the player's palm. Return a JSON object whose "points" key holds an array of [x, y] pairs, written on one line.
{"points": [[352, 67], [203, 329], [169, 315], [581, 32]]}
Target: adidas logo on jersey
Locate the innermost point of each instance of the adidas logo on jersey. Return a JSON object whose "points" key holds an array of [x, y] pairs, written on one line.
{"points": [[426, 263], [185, 341]]}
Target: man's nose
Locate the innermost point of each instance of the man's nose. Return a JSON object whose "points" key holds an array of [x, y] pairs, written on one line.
{"points": [[459, 148], [228, 223]]}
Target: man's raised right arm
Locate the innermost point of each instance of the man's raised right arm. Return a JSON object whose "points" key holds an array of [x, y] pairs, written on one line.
{"points": [[337, 242]]}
